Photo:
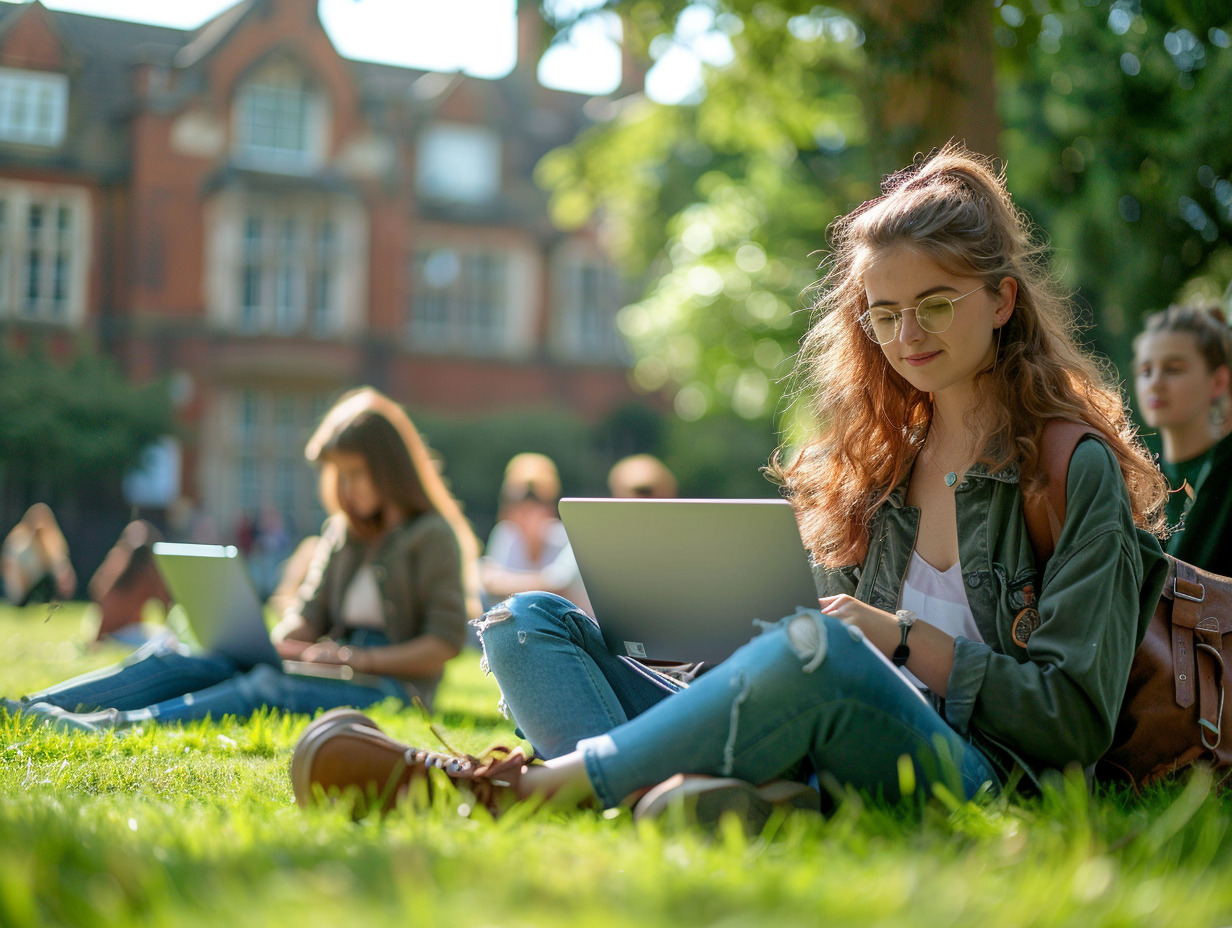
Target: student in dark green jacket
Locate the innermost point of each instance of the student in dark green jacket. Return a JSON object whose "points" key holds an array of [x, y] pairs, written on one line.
{"points": [[1183, 369], [940, 654]]}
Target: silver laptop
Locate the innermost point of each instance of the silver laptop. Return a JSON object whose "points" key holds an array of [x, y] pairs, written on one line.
{"points": [[683, 579], [224, 612]]}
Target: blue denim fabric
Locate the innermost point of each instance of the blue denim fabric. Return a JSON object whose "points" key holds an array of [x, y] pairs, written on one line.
{"points": [[807, 688], [559, 682], [162, 681]]}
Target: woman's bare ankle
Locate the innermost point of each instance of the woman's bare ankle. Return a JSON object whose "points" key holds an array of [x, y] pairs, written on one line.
{"points": [[563, 780]]}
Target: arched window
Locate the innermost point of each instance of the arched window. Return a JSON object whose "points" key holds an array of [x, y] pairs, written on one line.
{"points": [[280, 120]]}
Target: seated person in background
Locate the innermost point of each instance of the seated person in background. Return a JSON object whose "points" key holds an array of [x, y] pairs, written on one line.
{"points": [[1182, 369], [127, 580], [386, 593], [37, 569], [641, 475], [34, 560], [528, 549]]}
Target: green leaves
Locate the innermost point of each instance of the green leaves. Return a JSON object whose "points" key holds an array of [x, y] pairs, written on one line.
{"points": [[67, 428], [1116, 135]]}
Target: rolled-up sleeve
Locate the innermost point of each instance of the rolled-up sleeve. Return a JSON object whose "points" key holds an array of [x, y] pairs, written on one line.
{"points": [[437, 570], [315, 592]]}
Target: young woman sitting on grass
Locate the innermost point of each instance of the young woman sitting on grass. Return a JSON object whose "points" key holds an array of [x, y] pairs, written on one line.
{"points": [[939, 654], [386, 594]]}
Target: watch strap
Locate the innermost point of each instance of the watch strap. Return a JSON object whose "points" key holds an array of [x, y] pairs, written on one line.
{"points": [[906, 618]]}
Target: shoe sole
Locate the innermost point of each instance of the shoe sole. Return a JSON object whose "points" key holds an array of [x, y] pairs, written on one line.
{"points": [[705, 800], [325, 757]]}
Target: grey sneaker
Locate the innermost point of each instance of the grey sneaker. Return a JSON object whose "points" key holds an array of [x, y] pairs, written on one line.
{"points": [[63, 720], [705, 800]]}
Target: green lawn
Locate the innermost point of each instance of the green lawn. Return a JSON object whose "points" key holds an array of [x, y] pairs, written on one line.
{"points": [[197, 826]]}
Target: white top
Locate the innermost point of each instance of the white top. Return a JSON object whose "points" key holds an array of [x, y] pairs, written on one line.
{"points": [[556, 564], [939, 598], [361, 604]]}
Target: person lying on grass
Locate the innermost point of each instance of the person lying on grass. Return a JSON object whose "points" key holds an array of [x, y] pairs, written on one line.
{"points": [[939, 654], [386, 594]]}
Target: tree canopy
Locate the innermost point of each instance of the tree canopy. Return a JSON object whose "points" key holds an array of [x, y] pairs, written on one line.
{"points": [[1113, 121], [72, 430]]}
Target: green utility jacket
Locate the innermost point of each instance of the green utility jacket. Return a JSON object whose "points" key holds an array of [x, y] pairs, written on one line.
{"points": [[418, 569], [1044, 688]]}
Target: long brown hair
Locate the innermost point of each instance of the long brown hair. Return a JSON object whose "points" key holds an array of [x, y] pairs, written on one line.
{"points": [[954, 208], [366, 422]]}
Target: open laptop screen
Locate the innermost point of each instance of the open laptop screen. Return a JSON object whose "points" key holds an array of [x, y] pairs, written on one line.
{"points": [[682, 580]]}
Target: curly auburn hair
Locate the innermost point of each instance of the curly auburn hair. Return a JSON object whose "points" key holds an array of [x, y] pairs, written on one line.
{"points": [[954, 208]]}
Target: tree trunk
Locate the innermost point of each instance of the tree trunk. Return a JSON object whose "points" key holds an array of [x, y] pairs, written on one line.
{"points": [[930, 76]]}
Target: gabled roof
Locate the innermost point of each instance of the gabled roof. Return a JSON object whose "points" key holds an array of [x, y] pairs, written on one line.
{"points": [[104, 50], [211, 34]]}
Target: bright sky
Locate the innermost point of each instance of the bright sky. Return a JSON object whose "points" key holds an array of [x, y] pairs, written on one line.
{"points": [[475, 36]]}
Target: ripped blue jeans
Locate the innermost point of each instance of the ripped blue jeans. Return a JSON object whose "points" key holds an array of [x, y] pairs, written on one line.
{"points": [[808, 688]]}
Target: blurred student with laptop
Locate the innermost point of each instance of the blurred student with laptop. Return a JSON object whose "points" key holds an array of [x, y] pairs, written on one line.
{"points": [[387, 594]]}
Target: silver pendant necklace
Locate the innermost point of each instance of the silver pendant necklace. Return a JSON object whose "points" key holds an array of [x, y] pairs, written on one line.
{"points": [[950, 477]]}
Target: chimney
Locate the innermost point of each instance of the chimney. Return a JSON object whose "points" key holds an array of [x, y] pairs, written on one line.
{"points": [[532, 35]]}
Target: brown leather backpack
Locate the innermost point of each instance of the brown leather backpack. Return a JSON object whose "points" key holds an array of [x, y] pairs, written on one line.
{"points": [[1174, 713]]}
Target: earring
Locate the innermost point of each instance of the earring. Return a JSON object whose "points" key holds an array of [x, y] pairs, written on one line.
{"points": [[1218, 415]]}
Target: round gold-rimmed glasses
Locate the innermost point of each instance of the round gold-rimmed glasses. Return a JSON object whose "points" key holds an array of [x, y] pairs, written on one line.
{"points": [[934, 315]]}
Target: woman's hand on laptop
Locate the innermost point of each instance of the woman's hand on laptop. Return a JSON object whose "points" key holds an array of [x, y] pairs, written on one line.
{"points": [[292, 650], [326, 652], [879, 627]]}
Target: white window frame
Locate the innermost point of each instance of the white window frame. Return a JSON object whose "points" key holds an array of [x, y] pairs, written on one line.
{"points": [[588, 293], [253, 455], [476, 301], [44, 252], [280, 120], [287, 265], [459, 163], [33, 107]]}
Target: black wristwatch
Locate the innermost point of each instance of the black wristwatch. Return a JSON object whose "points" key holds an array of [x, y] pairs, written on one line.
{"points": [[906, 618]]}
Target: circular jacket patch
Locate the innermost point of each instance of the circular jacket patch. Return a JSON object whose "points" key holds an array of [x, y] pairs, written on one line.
{"points": [[1027, 621]]}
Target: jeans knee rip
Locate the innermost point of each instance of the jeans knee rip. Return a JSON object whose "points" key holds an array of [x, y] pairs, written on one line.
{"points": [[806, 633], [498, 613], [729, 749]]}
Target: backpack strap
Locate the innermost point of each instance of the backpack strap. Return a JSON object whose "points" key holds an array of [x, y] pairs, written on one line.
{"points": [[1045, 513]]}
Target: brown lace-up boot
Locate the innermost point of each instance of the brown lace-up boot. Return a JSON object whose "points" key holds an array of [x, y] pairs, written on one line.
{"points": [[345, 750]]}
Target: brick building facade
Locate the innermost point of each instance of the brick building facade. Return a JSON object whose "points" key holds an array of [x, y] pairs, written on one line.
{"points": [[242, 210]]}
